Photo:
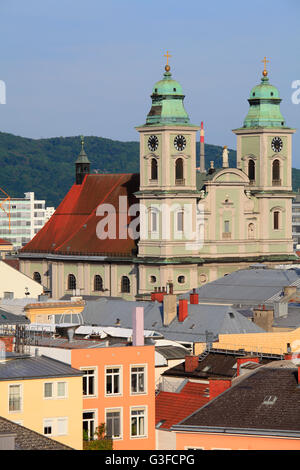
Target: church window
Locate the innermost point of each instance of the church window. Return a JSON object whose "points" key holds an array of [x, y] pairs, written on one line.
{"points": [[272, 93], [276, 220], [154, 169], [179, 171], [251, 170], [180, 221], [152, 279], [181, 279], [125, 285], [71, 282], [154, 224], [37, 277], [226, 226], [174, 89], [276, 172], [251, 230], [98, 283]]}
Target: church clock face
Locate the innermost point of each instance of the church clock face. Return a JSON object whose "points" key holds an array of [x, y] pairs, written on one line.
{"points": [[277, 144], [179, 142], [152, 143]]}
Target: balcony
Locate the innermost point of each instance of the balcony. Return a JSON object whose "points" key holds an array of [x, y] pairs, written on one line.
{"points": [[276, 183], [180, 182]]}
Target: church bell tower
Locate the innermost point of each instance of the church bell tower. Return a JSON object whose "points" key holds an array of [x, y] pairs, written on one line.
{"points": [[82, 164]]}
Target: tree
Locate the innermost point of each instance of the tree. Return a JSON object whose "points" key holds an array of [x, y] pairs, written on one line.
{"points": [[100, 442]]}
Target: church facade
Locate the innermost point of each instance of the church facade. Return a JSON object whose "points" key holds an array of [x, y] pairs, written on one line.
{"points": [[196, 225]]}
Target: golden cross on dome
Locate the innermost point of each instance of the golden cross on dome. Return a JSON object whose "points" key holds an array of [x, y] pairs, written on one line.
{"points": [[265, 72], [167, 56]]}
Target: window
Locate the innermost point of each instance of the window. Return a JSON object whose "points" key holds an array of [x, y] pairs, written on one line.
{"points": [[113, 424], [179, 171], [48, 427], [154, 169], [276, 220], [180, 221], [125, 284], [181, 279], [98, 283], [153, 279], [251, 230], [113, 385], [71, 282], [154, 224], [62, 426], [89, 382], [61, 389], [37, 277], [226, 226], [251, 170], [276, 173], [269, 400], [138, 422], [138, 377], [15, 399], [48, 390], [88, 422]]}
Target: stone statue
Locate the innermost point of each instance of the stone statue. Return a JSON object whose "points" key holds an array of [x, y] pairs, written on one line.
{"points": [[225, 163]]}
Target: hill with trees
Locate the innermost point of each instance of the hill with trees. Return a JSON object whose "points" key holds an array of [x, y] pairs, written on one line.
{"points": [[46, 166]]}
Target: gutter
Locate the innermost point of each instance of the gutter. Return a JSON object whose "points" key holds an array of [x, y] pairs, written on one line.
{"points": [[225, 430]]}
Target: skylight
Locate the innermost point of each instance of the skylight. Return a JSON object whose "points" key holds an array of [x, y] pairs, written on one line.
{"points": [[269, 400]]}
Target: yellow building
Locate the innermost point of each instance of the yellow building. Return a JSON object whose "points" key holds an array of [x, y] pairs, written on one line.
{"points": [[44, 312], [44, 395], [269, 342]]}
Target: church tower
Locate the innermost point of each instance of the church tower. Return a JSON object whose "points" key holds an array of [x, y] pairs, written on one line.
{"points": [[168, 193], [264, 153], [82, 164]]}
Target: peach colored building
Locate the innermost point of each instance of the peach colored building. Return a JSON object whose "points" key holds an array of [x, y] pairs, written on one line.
{"points": [[119, 390]]}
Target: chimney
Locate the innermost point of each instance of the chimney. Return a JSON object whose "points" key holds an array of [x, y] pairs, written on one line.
{"points": [[242, 360], [191, 363], [202, 151], [289, 290], [138, 327], [183, 310], [264, 318], [169, 308], [194, 298]]}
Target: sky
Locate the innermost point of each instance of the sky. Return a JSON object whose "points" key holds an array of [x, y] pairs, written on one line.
{"points": [[88, 67]]}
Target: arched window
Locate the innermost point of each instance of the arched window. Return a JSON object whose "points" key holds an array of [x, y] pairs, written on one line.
{"points": [[98, 283], [251, 230], [276, 220], [251, 170], [276, 173], [71, 282], [180, 221], [37, 277], [154, 169], [154, 221], [179, 171], [125, 285]]}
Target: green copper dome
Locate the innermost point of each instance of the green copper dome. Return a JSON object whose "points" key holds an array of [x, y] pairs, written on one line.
{"points": [[167, 103], [264, 106]]}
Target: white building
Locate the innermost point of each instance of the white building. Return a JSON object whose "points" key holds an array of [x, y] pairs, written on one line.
{"points": [[22, 218]]}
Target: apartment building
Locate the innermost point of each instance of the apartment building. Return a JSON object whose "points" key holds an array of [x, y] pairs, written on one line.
{"points": [[43, 395], [22, 218]]}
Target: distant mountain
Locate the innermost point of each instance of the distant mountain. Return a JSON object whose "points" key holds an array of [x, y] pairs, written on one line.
{"points": [[46, 166]]}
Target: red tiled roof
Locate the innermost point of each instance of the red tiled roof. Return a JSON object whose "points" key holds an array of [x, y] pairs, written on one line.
{"points": [[14, 263], [174, 407], [72, 227], [4, 242]]}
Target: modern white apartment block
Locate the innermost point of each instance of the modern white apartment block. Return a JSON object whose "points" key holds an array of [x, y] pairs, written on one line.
{"points": [[26, 215], [296, 221]]}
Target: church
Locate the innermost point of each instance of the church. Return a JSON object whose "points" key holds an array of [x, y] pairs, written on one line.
{"points": [[175, 223]]}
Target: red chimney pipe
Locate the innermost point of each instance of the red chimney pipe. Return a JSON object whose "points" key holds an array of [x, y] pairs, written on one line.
{"points": [[183, 310], [194, 297]]}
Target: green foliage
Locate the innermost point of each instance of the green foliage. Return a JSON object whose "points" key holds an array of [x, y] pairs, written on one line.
{"points": [[46, 166], [101, 442]]}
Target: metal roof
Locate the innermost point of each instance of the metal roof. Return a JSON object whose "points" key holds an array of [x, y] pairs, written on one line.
{"points": [[248, 286], [8, 318], [35, 367], [217, 319]]}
